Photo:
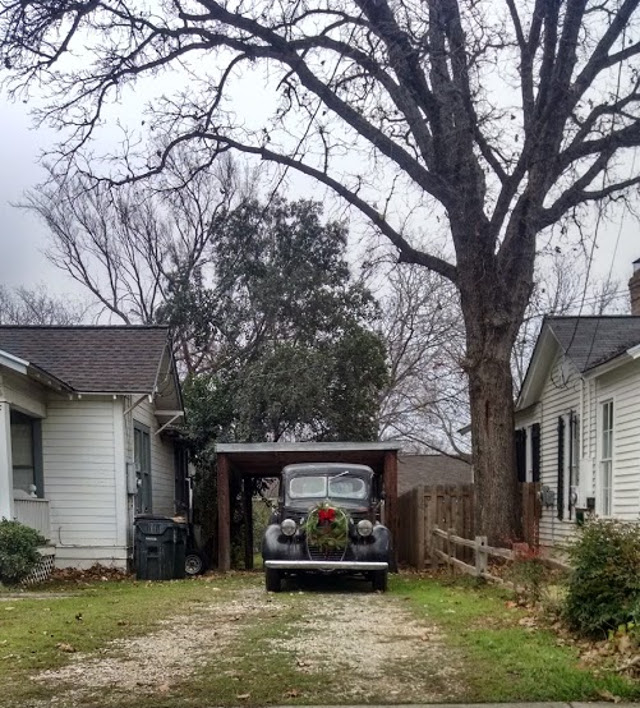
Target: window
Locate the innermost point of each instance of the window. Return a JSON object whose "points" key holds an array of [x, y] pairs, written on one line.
{"points": [[606, 459], [181, 463], [142, 455], [26, 453], [528, 453]]}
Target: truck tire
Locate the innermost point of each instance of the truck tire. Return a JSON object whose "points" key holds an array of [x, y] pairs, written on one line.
{"points": [[379, 580], [273, 580]]}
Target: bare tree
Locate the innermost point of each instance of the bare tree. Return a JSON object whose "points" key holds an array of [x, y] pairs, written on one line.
{"points": [[502, 119], [426, 400], [563, 286], [35, 306], [134, 246]]}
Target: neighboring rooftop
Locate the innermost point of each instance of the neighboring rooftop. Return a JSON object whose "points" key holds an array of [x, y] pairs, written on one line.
{"points": [[591, 341], [92, 359], [414, 470]]}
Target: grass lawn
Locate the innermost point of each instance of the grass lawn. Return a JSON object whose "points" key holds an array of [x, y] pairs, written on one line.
{"points": [[37, 634], [503, 659], [497, 658]]}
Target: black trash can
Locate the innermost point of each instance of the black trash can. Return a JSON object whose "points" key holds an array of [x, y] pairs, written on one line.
{"points": [[180, 549], [159, 544]]}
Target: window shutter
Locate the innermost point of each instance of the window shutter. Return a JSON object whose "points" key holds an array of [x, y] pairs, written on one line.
{"points": [[521, 455], [560, 488], [535, 451]]}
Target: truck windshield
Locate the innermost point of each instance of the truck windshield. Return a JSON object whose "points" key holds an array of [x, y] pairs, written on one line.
{"points": [[338, 486]]}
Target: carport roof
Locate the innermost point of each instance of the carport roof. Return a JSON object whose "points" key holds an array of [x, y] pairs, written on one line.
{"points": [[268, 459]]}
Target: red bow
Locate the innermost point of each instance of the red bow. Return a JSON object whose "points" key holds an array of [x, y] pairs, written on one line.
{"points": [[326, 515]]}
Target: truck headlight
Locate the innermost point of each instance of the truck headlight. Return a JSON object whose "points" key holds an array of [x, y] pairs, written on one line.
{"points": [[365, 527], [288, 527]]}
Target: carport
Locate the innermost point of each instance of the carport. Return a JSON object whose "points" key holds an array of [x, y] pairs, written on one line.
{"points": [[268, 459]]}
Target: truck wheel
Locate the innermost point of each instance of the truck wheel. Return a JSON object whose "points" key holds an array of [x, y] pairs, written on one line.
{"points": [[273, 580], [379, 580], [193, 563]]}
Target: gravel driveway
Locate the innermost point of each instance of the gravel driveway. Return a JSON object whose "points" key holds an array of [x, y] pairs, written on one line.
{"points": [[361, 646]]}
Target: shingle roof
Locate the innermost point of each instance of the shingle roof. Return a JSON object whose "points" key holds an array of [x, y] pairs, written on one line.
{"points": [[120, 359], [414, 470], [591, 341]]}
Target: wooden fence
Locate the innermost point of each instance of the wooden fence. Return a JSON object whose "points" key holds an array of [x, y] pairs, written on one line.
{"points": [[449, 541], [424, 509], [450, 507]]}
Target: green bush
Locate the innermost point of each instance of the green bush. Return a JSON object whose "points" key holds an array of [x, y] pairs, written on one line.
{"points": [[604, 589], [18, 551]]}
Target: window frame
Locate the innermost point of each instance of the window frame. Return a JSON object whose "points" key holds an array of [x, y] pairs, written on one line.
{"points": [[143, 490], [605, 461], [17, 417]]}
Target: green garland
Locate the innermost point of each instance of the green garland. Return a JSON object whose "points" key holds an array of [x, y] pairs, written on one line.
{"points": [[327, 528]]}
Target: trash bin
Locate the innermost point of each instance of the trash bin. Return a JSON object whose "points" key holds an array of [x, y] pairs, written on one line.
{"points": [[180, 549], [160, 544]]}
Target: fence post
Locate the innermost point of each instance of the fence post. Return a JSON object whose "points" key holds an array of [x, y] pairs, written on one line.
{"points": [[420, 527], [481, 556], [451, 552]]}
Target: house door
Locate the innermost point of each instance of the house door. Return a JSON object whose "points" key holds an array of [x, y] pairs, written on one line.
{"points": [[142, 455]]}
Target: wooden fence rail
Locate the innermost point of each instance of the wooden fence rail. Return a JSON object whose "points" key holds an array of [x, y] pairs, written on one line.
{"points": [[425, 508], [482, 551]]}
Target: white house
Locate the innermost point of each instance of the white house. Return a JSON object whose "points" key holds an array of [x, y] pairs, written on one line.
{"points": [[578, 419], [87, 437]]}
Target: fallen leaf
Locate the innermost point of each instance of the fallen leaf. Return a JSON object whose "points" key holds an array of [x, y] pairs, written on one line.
{"points": [[625, 644], [608, 696], [63, 646], [164, 688], [293, 693]]}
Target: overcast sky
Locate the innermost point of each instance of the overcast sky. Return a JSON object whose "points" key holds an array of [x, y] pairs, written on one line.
{"points": [[23, 238]]}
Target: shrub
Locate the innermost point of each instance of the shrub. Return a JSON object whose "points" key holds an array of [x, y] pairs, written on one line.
{"points": [[18, 551], [604, 589]]}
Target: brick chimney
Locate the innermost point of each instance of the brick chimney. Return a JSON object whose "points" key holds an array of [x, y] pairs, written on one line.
{"points": [[634, 288]]}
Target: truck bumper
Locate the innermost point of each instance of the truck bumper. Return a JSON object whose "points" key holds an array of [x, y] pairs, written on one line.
{"points": [[325, 565]]}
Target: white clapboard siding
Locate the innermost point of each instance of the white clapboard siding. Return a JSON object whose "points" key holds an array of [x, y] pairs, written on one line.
{"points": [[162, 462], [79, 470], [561, 394], [623, 387]]}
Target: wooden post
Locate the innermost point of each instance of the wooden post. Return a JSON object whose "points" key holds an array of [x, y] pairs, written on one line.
{"points": [[450, 547], [391, 500], [247, 510], [224, 514], [420, 527], [481, 556]]}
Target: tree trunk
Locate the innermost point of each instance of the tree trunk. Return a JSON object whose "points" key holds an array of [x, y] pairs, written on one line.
{"points": [[494, 295], [497, 493]]}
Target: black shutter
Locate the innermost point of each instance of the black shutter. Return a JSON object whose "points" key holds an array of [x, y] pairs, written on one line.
{"points": [[521, 455], [535, 451], [560, 489]]}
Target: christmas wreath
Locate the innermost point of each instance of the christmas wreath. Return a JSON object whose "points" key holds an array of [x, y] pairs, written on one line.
{"points": [[327, 528]]}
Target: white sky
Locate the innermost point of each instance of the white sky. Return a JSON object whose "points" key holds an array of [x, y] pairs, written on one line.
{"points": [[23, 238]]}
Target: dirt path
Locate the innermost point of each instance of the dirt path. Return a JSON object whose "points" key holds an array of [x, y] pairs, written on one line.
{"points": [[359, 646]]}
